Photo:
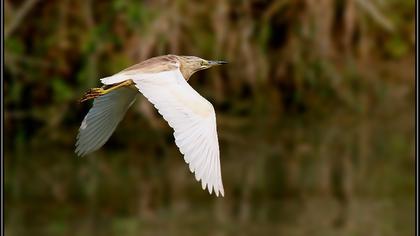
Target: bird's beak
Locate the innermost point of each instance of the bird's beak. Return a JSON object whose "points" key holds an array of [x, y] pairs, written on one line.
{"points": [[216, 63]]}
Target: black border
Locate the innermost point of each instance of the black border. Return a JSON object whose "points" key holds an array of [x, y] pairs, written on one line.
{"points": [[416, 116], [2, 118]]}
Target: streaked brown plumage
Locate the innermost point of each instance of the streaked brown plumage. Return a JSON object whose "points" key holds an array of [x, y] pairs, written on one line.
{"points": [[188, 65]]}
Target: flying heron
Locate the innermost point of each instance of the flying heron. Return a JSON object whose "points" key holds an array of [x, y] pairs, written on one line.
{"points": [[163, 81]]}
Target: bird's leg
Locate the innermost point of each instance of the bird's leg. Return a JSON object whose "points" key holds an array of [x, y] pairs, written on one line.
{"points": [[96, 92]]}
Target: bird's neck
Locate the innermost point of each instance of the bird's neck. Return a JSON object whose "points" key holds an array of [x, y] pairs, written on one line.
{"points": [[186, 72]]}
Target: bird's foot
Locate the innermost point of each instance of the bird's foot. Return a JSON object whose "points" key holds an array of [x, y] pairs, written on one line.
{"points": [[93, 93], [96, 92]]}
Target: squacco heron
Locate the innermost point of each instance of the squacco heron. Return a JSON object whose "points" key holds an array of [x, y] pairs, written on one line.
{"points": [[163, 81]]}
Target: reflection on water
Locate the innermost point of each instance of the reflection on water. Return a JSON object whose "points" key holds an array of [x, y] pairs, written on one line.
{"points": [[347, 174]]}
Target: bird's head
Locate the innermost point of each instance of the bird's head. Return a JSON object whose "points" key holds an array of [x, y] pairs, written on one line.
{"points": [[192, 64]]}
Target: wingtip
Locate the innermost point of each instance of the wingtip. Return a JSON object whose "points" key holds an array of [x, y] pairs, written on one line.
{"points": [[79, 153], [222, 191], [219, 193], [210, 189]]}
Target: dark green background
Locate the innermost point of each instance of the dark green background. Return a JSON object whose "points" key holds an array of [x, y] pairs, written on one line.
{"points": [[315, 117]]}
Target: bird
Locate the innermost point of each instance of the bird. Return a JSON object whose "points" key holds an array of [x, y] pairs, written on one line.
{"points": [[163, 81]]}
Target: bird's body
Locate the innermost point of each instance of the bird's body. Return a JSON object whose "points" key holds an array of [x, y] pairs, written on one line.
{"points": [[163, 81]]}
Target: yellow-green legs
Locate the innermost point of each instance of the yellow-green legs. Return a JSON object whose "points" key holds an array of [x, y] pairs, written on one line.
{"points": [[96, 92]]}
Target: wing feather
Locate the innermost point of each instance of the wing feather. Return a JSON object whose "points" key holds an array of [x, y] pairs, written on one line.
{"points": [[102, 119], [193, 119]]}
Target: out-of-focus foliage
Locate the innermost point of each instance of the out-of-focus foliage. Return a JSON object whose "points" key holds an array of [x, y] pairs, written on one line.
{"points": [[315, 118]]}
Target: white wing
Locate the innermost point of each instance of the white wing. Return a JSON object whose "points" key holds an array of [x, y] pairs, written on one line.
{"points": [[102, 119], [193, 119]]}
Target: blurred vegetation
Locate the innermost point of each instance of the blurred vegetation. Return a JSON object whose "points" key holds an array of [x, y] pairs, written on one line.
{"points": [[315, 118]]}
